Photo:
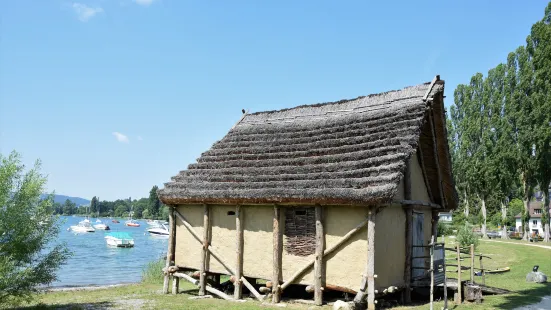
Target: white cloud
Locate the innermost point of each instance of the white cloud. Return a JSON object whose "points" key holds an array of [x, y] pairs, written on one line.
{"points": [[120, 137], [139, 138], [85, 12], [144, 2]]}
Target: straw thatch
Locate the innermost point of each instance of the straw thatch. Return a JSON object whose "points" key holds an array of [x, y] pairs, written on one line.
{"points": [[346, 152]]}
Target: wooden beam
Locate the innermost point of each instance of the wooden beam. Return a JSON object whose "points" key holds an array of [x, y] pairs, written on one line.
{"points": [[427, 93], [331, 287], [407, 181], [472, 263], [319, 264], [436, 159], [325, 253], [417, 203], [423, 169], [371, 261], [458, 301], [175, 285], [251, 288], [409, 241], [277, 256], [170, 250], [204, 252], [238, 288], [208, 288], [432, 272], [211, 248]]}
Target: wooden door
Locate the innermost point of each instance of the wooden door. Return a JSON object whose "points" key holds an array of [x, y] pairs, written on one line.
{"points": [[417, 251]]}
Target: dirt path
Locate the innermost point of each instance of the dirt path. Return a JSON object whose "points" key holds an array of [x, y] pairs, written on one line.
{"points": [[525, 244]]}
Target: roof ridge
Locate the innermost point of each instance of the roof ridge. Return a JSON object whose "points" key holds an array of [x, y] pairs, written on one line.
{"points": [[315, 105]]}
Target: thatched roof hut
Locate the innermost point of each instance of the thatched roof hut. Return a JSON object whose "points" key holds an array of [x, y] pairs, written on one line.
{"points": [[352, 154]]}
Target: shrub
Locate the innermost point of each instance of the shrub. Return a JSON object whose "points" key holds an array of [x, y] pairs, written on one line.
{"points": [[466, 236], [29, 255], [444, 229], [153, 271]]}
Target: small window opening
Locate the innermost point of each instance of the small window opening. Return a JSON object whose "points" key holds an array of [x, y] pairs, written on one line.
{"points": [[300, 212], [231, 212]]}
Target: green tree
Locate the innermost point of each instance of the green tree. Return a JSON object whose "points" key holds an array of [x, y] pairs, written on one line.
{"points": [[94, 205], [28, 258], [69, 207], [121, 209], [154, 202]]}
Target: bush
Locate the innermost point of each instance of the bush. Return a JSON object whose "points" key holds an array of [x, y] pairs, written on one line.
{"points": [[466, 236], [444, 229], [28, 228], [153, 272]]}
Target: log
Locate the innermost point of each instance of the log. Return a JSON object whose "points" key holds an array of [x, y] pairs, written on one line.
{"points": [[175, 285], [204, 252], [417, 203], [277, 257], [325, 253], [186, 277], [238, 288], [211, 248], [170, 251], [331, 287], [214, 291], [431, 272], [252, 290], [318, 263], [269, 284], [264, 290], [483, 271]]}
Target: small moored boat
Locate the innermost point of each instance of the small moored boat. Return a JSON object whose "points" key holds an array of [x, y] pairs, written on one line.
{"points": [[83, 226], [119, 239], [101, 226], [132, 223], [115, 221], [159, 230]]}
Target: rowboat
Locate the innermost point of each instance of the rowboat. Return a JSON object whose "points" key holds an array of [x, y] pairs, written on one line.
{"points": [[499, 270]]}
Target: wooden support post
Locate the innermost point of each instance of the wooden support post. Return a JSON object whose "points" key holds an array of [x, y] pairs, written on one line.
{"points": [[175, 285], [431, 271], [238, 288], [318, 264], [371, 260], [472, 263], [458, 275], [409, 235], [170, 250], [211, 248], [277, 256], [204, 252], [434, 222], [482, 270]]}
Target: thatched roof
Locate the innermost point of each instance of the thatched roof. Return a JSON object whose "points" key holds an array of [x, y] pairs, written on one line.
{"points": [[345, 152]]}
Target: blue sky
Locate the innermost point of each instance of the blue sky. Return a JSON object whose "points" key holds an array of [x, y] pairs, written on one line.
{"points": [[117, 96]]}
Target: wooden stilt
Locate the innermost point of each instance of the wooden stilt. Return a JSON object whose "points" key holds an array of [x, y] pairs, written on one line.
{"points": [[319, 264], [431, 271], [204, 252], [371, 261], [211, 248], [238, 288], [277, 257], [170, 250], [175, 285], [482, 270]]}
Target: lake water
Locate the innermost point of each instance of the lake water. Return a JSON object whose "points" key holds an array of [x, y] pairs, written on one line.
{"points": [[95, 263]]}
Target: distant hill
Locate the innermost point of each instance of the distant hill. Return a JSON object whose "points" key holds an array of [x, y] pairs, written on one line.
{"points": [[77, 200]]}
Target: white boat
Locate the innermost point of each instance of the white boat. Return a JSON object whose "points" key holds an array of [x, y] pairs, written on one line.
{"points": [[83, 226], [119, 239], [101, 226], [160, 230]]}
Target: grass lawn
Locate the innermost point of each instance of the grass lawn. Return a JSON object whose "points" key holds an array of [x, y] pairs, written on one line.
{"points": [[518, 257]]}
